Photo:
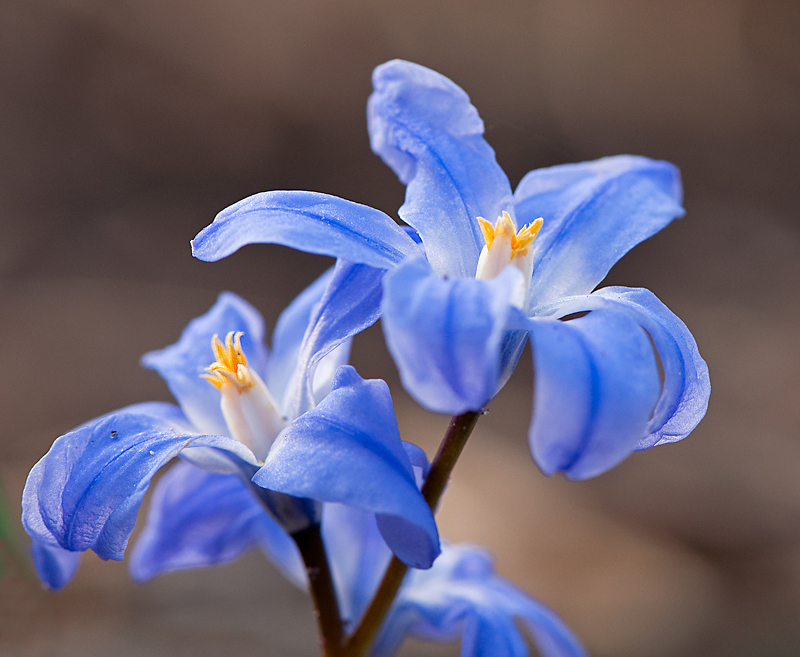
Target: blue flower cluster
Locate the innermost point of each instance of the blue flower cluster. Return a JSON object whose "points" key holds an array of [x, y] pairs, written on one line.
{"points": [[274, 442], [455, 324]]}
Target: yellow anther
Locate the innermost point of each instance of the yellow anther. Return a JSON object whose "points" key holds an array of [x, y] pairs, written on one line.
{"points": [[231, 364], [520, 241], [488, 231], [523, 239]]}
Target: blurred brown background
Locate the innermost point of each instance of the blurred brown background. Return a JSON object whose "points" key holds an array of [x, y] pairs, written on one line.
{"points": [[125, 126]]}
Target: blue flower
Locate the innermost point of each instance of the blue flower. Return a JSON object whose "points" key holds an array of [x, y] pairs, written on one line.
{"points": [[459, 597], [462, 293], [296, 425]]}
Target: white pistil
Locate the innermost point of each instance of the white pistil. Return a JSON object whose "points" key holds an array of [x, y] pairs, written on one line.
{"points": [[505, 246], [247, 405]]}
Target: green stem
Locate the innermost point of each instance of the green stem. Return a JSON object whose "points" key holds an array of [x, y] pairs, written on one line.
{"points": [[460, 428], [323, 592]]}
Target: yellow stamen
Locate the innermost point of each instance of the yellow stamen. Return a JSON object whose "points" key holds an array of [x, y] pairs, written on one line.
{"points": [[231, 364], [520, 240], [488, 231], [524, 238]]}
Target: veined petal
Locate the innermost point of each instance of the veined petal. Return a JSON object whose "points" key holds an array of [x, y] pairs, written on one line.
{"points": [[183, 364], [596, 387], [350, 303], [424, 127], [594, 213], [308, 221], [461, 595], [288, 336], [358, 556], [348, 450], [684, 395], [447, 335], [85, 492], [55, 566], [198, 519]]}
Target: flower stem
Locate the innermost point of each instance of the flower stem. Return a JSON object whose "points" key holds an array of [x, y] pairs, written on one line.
{"points": [[323, 592], [460, 428]]}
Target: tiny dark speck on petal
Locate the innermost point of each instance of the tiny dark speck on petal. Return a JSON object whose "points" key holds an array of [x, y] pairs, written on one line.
{"points": [[113, 434]]}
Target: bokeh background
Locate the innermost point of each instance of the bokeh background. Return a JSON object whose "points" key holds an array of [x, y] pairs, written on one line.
{"points": [[125, 126]]}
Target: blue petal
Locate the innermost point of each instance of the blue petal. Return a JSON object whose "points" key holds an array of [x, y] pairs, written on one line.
{"points": [[350, 304], [594, 213], [348, 450], [686, 389], [85, 492], [447, 335], [54, 565], [596, 386], [182, 364], [288, 335], [308, 221], [419, 459], [357, 554], [461, 595], [198, 519], [424, 127]]}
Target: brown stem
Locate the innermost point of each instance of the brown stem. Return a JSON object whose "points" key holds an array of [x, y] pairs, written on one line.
{"points": [[460, 428], [323, 591]]}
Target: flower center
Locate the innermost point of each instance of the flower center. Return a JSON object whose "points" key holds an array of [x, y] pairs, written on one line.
{"points": [[504, 229], [507, 246], [231, 364], [247, 405]]}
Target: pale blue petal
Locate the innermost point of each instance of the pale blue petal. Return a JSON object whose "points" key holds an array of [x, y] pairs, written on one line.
{"points": [[447, 336], [182, 364], [395, 530], [415, 542], [488, 632], [350, 304], [357, 554], [462, 596], [459, 596], [198, 519], [686, 389], [594, 213], [418, 458], [221, 461], [288, 336], [551, 635], [308, 221], [324, 370], [85, 492], [424, 127], [55, 566], [597, 384], [348, 450]]}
